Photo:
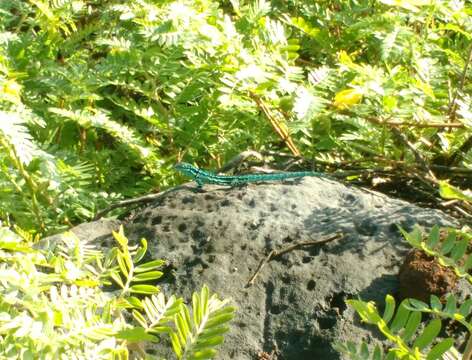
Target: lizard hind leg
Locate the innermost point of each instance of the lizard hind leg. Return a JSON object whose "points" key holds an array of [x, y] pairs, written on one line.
{"points": [[199, 183], [238, 183]]}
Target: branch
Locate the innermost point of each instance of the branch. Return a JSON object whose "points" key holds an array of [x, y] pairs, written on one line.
{"points": [[141, 199], [276, 125], [274, 253], [453, 103], [415, 124], [238, 159]]}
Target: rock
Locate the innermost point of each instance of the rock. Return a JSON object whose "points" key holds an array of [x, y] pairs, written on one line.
{"points": [[296, 307]]}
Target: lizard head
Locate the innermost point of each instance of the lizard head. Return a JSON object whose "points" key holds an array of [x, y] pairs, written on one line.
{"points": [[186, 169]]}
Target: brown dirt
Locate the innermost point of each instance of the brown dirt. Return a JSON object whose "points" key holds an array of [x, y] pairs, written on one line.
{"points": [[421, 276]]}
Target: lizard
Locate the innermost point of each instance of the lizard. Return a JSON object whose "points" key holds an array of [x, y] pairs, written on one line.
{"points": [[202, 177]]}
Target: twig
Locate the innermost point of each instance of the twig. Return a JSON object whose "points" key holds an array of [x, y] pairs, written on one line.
{"points": [[276, 125], [453, 103], [462, 211], [280, 154], [464, 148], [415, 124], [418, 156], [468, 349], [238, 159], [141, 199], [275, 253]]}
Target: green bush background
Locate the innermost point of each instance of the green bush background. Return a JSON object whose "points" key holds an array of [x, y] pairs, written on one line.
{"points": [[98, 99]]}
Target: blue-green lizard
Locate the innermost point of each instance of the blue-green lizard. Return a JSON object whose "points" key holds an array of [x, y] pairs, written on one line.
{"points": [[205, 177]]}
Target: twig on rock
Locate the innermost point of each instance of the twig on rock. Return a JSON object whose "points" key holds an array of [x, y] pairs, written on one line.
{"points": [[140, 199], [275, 253]]}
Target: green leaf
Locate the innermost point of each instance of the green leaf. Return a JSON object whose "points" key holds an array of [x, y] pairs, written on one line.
{"points": [[139, 318], [134, 302], [465, 308], [219, 320], [448, 244], [136, 334], [439, 349], [176, 345], [122, 264], [141, 251], [467, 263], [459, 249], [451, 306], [414, 237], [149, 266], [378, 353], [204, 354], [436, 303], [367, 311], [144, 289], [208, 342], [428, 335], [448, 191], [116, 277], [364, 352], [414, 321], [417, 305], [401, 317], [433, 237], [151, 275], [210, 332], [389, 308]]}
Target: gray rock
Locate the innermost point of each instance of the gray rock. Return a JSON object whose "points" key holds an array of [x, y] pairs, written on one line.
{"points": [[296, 307]]}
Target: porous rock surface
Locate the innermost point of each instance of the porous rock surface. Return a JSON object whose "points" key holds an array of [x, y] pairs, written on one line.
{"points": [[296, 307]]}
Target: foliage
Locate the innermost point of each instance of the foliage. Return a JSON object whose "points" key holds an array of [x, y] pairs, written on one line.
{"points": [[196, 336], [401, 330], [451, 248], [55, 302], [452, 251], [99, 99]]}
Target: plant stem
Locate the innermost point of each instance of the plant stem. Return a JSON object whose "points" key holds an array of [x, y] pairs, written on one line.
{"points": [[33, 188], [468, 349]]}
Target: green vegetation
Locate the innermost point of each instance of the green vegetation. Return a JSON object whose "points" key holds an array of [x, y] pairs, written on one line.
{"points": [[98, 100], [411, 342], [53, 304]]}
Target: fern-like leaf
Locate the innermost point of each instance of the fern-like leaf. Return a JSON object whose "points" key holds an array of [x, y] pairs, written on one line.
{"points": [[196, 338], [403, 330]]}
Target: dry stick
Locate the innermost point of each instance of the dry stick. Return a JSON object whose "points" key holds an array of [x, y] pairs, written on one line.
{"points": [[238, 159], [418, 157], [464, 148], [414, 124], [141, 199], [468, 349], [275, 253], [276, 125], [467, 145], [453, 103]]}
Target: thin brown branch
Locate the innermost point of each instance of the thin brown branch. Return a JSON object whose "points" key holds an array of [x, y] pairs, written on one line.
{"points": [[238, 159], [453, 103], [419, 158], [137, 200], [275, 253], [464, 148], [279, 128], [414, 124]]}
